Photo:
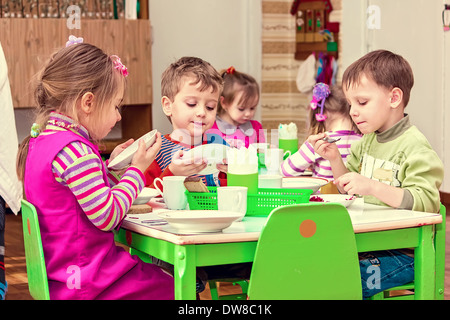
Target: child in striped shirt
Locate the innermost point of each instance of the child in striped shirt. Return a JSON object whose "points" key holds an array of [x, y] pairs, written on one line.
{"points": [[78, 200], [190, 90], [333, 119]]}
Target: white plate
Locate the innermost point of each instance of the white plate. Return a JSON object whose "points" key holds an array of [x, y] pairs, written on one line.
{"points": [[343, 199], [125, 157], [301, 182], [199, 221], [145, 195], [214, 153]]}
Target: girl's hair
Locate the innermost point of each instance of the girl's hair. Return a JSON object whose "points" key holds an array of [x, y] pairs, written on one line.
{"points": [[235, 82], [69, 74], [334, 103]]}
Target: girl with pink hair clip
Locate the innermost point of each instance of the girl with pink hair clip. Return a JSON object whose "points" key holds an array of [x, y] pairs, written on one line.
{"points": [[329, 113], [80, 202], [237, 107]]}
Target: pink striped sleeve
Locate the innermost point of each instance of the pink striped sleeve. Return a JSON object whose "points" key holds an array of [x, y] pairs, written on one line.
{"points": [[79, 168]]}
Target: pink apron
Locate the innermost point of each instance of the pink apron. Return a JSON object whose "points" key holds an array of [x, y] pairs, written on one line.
{"points": [[82, 261]]}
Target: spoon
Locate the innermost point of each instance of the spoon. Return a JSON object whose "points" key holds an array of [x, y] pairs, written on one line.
{"points": [[330, 140]]}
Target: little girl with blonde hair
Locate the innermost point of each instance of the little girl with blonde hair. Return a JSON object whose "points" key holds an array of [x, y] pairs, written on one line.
{"points": [[330, 113], [79, 202], [236, 109]]}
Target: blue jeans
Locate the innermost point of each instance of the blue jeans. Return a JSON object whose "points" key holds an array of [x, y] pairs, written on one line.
{"points": [[381, 270]]}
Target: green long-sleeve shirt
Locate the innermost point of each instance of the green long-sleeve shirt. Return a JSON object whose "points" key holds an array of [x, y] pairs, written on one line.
{"points": [[401, 157]]}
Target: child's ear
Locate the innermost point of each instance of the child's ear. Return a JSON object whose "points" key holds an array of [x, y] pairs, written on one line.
{"points": [[222, 102], [87, 102], [167, 106], [396, 97]]}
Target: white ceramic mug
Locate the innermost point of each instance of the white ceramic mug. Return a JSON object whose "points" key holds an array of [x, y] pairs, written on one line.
{"points": [[269, 181], [174, 191], [274, 158], [232, 199]]}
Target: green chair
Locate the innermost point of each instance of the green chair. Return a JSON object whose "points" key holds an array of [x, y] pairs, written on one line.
{"points": [[306, 251], [34, 254], [408, 289]]}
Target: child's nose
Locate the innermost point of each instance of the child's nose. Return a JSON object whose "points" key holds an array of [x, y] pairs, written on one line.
{"points": [[119, 116], [201, 111]]}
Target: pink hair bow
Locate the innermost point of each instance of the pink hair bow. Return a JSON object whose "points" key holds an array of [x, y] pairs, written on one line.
{"points": [[320, 92], [73, 40], [119, 65]]}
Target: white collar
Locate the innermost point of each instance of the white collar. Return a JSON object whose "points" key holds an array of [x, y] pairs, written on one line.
{"points": [[229, 129]]}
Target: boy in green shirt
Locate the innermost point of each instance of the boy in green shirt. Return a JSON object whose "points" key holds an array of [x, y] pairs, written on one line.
{"points": [[393, 164]]}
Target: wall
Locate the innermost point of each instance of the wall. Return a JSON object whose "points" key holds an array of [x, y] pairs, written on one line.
{"points": [[281, 101], [413, 29], [224, 33]]}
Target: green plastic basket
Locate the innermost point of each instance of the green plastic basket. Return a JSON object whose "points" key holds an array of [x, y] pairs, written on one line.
{"points": [[260, 204]]}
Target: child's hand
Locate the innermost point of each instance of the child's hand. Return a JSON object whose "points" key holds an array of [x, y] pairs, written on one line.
{"points": [[328, 151], [117, 150], [222, 166], [354, 183], [185, 167], [144, 157]]}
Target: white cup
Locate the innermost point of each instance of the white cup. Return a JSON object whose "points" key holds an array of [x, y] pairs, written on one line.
{"points": [[232, 199], [269, 181], [273, 159], [174, 191]]}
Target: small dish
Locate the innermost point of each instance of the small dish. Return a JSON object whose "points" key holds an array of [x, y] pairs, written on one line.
{"points": [[199, 221], [343, 199], [145, 195], [214, 153], [125, 157], [301, 182]]}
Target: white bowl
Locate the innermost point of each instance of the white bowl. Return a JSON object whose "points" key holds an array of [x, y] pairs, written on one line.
{"points": [[269, 181], [199, 221], [125, 157], [146, 195], [343, 199], [313, 183], [214, 153]]}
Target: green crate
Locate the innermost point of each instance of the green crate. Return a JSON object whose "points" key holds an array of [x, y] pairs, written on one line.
{"points": [[260, 204]]}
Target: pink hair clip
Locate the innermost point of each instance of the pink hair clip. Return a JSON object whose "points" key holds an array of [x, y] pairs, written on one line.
{"points": [[119, 65], [321, 91], [73, 40]]}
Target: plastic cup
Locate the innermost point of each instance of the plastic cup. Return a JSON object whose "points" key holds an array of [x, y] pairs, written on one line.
{"points": [[288, 145], [244, 180]]}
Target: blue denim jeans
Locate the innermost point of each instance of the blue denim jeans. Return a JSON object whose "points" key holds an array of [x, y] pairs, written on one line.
{"points": [[381, 270]]}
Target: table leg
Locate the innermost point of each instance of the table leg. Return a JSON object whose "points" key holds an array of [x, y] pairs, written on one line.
{"points": [[424, 265], [185, 272]]}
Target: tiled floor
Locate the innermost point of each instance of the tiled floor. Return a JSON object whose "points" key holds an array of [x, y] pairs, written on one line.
{"points": [[17, 277]]}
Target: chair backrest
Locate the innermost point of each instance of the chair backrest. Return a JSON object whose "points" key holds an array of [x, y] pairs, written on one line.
{"points": [[34, 254], [306, 251]]}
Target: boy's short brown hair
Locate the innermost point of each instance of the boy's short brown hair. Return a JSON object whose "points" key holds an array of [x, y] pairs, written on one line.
{"points": [[203, 72], [387, 69]]}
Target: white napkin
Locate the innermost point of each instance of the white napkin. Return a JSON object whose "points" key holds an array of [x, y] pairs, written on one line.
{"points": [[243, 160], [287, 131]]}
